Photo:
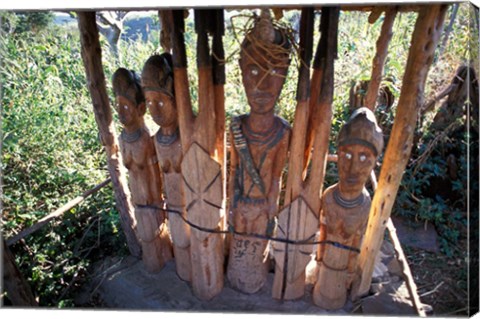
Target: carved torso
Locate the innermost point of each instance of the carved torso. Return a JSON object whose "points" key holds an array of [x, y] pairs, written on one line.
{"points": [[342, 225], [265, 153], [169, 154], [139, 158]]}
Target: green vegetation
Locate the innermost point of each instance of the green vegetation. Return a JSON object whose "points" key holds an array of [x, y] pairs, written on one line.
{"points": [[51, 152]]}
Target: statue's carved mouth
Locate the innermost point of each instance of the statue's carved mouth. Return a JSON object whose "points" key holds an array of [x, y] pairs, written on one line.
{"points": [[262, 97], [352, 180]]}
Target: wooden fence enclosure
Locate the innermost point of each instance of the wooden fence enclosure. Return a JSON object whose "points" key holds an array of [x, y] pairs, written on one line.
{"points": [[204, 167]]}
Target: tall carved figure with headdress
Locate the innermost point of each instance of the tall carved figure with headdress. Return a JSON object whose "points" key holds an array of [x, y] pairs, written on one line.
{"points": [[345, 208], [260, 144], [145, 181], [157, 84]]}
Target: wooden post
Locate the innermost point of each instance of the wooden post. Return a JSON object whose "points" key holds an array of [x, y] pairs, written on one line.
{"points": [[201, 172], [325, 58], [218, 65], [299, 219], [380, 57], [296, 221], [59, 212], [92, 60], [166, 30], [425, 37], [17, 288], [402, 259]]}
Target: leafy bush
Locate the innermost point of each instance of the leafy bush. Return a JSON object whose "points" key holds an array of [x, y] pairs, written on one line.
{"points": [[51, 154]]}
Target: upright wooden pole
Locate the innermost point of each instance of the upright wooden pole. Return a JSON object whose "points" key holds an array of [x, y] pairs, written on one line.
{"points": [[201, 173], [323, 107], [17, 288], [428, 29], [380, 57], [218, 65], [92, 60], [186, 117], [296, 221]]}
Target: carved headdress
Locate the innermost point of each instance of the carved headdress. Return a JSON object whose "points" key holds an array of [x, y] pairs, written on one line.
{"points": [[126, 83], [362, 128], [157, 74], [269, 42]]}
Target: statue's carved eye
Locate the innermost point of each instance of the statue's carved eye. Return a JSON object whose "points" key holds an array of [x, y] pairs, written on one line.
{"points": [[125, 107], [160, 104], [150, 103], [254, 72], [273, 72], [348, 155], [363, 157]]}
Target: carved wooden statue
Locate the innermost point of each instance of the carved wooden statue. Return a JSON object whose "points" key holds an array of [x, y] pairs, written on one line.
{"points": [[140, 159], [157, 84], [345, 209], [259, 150]]}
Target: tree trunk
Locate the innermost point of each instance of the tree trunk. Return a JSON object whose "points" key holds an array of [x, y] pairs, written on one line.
{"points": [[425, 38], [92, 60]]}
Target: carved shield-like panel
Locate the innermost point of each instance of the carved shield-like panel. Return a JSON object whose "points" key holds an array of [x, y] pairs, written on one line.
{"points": [[295, 222], [203, 190]]}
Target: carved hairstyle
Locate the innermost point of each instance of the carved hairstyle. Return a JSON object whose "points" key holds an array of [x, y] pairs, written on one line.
{"points": [[362, 128], [157, 74], [127, 83], [268, 40]]}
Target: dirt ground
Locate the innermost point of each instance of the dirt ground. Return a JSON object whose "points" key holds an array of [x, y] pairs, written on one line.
{"points": [[441, 281], [123, 284]]}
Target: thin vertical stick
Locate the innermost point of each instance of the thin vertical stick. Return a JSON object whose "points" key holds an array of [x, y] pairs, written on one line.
{"points": [[425, 38], [92, 60], [380, 57]]}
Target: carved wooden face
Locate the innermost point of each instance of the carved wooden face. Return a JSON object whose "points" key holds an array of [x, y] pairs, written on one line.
{"points": [[128, 112], [262, 84], [162, 108], [355, 163]]}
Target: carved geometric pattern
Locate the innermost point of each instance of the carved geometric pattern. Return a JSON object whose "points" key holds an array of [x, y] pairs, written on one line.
{"points": [[203, 190], [295, 222]]}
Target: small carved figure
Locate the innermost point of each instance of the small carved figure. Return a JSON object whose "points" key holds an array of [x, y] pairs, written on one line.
{"points": [[259, 150], [145, 181], [345, 208], [157, 84]]}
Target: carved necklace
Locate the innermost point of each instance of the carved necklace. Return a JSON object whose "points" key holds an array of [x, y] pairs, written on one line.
{"points": [[163, 139], [261, 137], [131, 137], [348, 203]]}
